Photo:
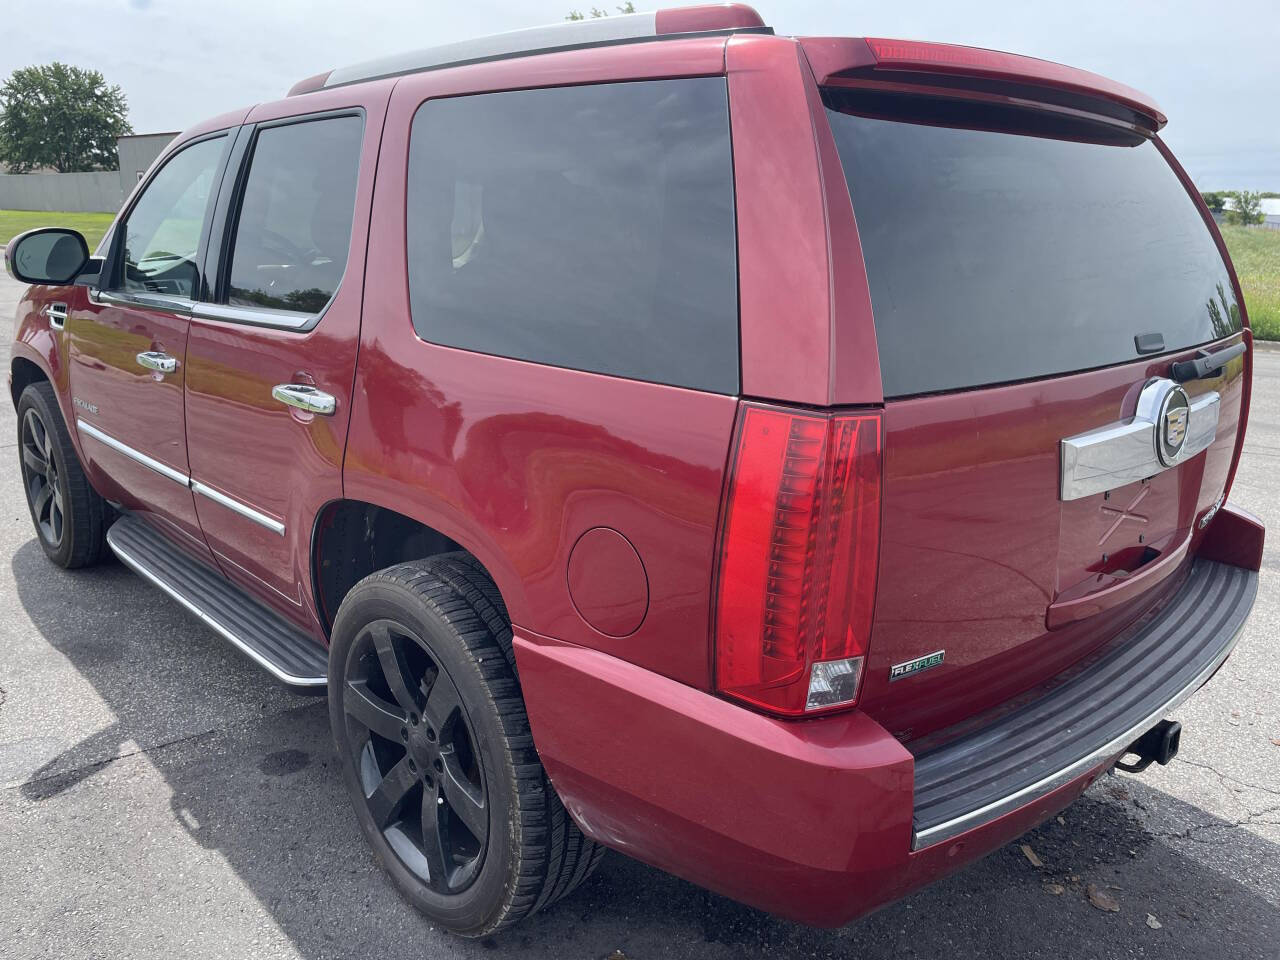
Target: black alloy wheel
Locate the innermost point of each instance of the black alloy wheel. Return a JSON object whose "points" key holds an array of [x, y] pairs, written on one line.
{"points": [[70, 518], [40, 478], [415, 751], [436, 750]]}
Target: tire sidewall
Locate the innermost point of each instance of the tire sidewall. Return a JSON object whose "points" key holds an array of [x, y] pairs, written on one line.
{"points": [[481, 905]]}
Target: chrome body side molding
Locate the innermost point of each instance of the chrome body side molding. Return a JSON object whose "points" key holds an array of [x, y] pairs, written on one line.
{"points": [[1167, 429], [135, 455], [217, 496]]}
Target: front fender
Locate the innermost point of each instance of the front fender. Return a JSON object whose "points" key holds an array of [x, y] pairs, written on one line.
{"points": [[36, 342]]}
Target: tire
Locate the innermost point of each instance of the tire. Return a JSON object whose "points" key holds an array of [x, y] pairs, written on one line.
{"points": [[425, 705], [70, 518]]}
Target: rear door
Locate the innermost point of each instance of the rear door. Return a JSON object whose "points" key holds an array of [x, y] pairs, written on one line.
{"points": [[128, 344], [1033, 276], [272, 351]]}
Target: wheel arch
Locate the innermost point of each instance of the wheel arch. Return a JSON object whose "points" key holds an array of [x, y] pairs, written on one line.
{"points": [[352, 538], [22, 373]]}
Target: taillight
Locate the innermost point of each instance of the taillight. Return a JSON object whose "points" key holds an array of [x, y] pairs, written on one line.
{"points": [[799, 553]]}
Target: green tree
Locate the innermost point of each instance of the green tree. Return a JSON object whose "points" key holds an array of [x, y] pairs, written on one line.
{"points": [[628, 7], [1246, 207], [60, 116], [1214, 199]]}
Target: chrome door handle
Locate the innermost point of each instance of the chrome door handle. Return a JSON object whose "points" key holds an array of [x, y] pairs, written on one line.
{"points": [[57, 314], [155, 360], [305, 397]]}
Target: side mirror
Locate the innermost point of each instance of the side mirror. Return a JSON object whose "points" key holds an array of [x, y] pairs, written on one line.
{"points": [[48, 255]]}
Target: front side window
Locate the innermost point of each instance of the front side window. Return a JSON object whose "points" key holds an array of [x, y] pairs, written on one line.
{"points": [[162, 233], [294, 226], [586, 227]]}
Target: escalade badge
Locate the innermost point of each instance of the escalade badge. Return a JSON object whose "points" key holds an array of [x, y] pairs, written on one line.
{"points": [[900, 670]]}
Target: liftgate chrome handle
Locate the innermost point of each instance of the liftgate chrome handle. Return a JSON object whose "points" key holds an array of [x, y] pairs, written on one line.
{"points": [[305, 397], [160, 362]]}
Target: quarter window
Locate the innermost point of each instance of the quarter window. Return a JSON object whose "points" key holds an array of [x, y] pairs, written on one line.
{"points": [[294, 226], [162, 234], [587, 227]]}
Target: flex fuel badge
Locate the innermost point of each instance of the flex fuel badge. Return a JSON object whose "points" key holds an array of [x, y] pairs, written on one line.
{"points": [[900, 670]]}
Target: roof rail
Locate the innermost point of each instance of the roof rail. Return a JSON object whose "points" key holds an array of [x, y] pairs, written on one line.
{"points": [[569, 35]]}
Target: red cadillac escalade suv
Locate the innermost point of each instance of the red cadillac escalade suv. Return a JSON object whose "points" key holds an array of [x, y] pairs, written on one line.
{"points": [[799, 463]]}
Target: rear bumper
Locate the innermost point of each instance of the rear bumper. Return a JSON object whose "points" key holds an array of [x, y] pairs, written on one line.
{"points": [[825, 820]]}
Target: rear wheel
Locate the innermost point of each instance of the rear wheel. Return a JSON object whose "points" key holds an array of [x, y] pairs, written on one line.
{"points": [[435, 749], [69, 516]]}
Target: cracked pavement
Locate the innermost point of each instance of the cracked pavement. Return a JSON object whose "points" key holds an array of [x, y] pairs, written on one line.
{"points": [[161, 796]]}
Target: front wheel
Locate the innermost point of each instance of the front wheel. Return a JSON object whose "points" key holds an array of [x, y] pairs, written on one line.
{"points": [[435, 748], [69, 516]]}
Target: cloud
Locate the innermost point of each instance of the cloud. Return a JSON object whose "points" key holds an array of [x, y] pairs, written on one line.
{"points": [[1214, 75]]}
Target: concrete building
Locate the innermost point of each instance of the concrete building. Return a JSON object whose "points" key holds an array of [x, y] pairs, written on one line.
{"points": [[137, 152]]}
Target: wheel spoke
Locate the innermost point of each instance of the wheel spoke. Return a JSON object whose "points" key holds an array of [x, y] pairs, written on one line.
{"points": [[432, 842], [464, 798], [442, 701], [384, 719], [393, 668], [42, 501], [387, 797], [34, 461]]}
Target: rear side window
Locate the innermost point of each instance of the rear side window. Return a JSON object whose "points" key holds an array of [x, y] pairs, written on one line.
{"points": [[586, 227], [294, 227], [998, 256]]}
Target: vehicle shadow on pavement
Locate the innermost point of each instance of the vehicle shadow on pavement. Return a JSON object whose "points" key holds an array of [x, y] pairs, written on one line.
{"points": [[253, 779]]}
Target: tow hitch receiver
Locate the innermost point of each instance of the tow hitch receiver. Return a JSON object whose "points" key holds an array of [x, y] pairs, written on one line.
{"points": [[1160, 744]]}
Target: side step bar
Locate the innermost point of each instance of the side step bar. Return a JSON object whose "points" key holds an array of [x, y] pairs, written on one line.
{"points": [[257, 630]]}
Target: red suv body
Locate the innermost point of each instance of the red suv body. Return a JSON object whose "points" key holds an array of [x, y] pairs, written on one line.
{"points": [[845, 425]]}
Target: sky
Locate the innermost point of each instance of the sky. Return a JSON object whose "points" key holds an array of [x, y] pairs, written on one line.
{"points": [[1213, 68]]}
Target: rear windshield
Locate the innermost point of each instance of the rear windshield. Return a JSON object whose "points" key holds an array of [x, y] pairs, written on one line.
{"points": [[999, 256]]}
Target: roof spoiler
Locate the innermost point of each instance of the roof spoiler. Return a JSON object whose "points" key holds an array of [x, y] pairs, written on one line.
{"points": [[836, 60]]}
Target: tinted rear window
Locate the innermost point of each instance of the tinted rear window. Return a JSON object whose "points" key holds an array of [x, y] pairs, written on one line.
{"points": [[587, 227], [997, 256]]}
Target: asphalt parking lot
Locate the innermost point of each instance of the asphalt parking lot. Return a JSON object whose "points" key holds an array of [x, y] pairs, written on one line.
{"points": [[161, 796]]}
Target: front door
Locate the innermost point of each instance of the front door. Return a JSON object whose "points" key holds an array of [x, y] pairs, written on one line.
{"points": [[128, 344], [272, 351]]}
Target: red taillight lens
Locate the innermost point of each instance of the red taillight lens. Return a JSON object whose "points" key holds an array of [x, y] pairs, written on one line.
{"points": [[798, 559]]}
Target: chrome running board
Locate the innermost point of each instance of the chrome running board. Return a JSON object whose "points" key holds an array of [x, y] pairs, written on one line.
{"points": [[255, 629]]}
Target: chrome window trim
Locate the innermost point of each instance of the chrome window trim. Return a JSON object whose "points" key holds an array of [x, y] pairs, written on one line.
{"points": [[135, 455], [143, 301], [1109, 750], [1125, 451], [259, 316], [217, 496]]}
